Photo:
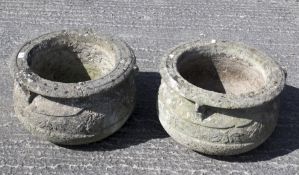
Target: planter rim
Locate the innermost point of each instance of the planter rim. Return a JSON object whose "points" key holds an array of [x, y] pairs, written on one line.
{"points": [[274, 82], [24, 75]]}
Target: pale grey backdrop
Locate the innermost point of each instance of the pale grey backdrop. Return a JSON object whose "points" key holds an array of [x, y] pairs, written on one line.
{"points": [[152, 27]]}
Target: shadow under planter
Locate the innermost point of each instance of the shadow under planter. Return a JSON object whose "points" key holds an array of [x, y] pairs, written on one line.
{"points": [[143, 124], [285, 138]]}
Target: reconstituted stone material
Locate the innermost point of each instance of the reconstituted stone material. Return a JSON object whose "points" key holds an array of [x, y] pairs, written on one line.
{"points": [[151, 28], [211, 101], [74, 87]]}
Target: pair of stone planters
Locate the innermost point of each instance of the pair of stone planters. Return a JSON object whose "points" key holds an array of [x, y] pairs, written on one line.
{"points": [[75, 87]]}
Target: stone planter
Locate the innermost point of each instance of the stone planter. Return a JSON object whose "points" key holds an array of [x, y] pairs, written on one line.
{"points": [[219, 98], [74, 87]]}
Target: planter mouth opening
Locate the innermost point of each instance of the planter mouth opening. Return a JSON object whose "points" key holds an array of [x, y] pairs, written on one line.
{"points": [[71, 59], [223, 74], [72, 64], [219, 73]]}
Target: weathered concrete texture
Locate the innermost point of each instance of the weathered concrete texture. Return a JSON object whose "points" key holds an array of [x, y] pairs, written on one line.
{"points": [[74, 87], [219, 98], [151, 28]]}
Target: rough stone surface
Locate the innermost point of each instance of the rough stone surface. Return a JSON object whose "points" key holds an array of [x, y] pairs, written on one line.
{"points": [[151, 28], [219, 98], [63, 91]]}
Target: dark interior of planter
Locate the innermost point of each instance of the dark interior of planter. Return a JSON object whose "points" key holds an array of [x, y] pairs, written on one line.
{"points": [[219, 72], [70, 60]]}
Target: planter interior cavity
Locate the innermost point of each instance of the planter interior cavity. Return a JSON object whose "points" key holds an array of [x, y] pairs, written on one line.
{"points": [[71, 59], [219, 72]]}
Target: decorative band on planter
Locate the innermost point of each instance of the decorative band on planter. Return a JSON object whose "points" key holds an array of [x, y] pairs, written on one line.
{"points": [[74, 87], [219, 98]]}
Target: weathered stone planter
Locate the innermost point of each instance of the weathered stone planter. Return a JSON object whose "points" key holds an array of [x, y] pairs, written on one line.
{"points": [[219, 98], [74, 87]]}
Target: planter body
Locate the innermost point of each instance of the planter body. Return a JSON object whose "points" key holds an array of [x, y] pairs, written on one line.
{"points": [[67, 101], [207, 119]]}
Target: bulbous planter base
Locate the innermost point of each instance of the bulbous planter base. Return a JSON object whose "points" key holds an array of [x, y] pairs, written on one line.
{"points": [[242, 131], [219, 99], [74, 121], [74, 87]]}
